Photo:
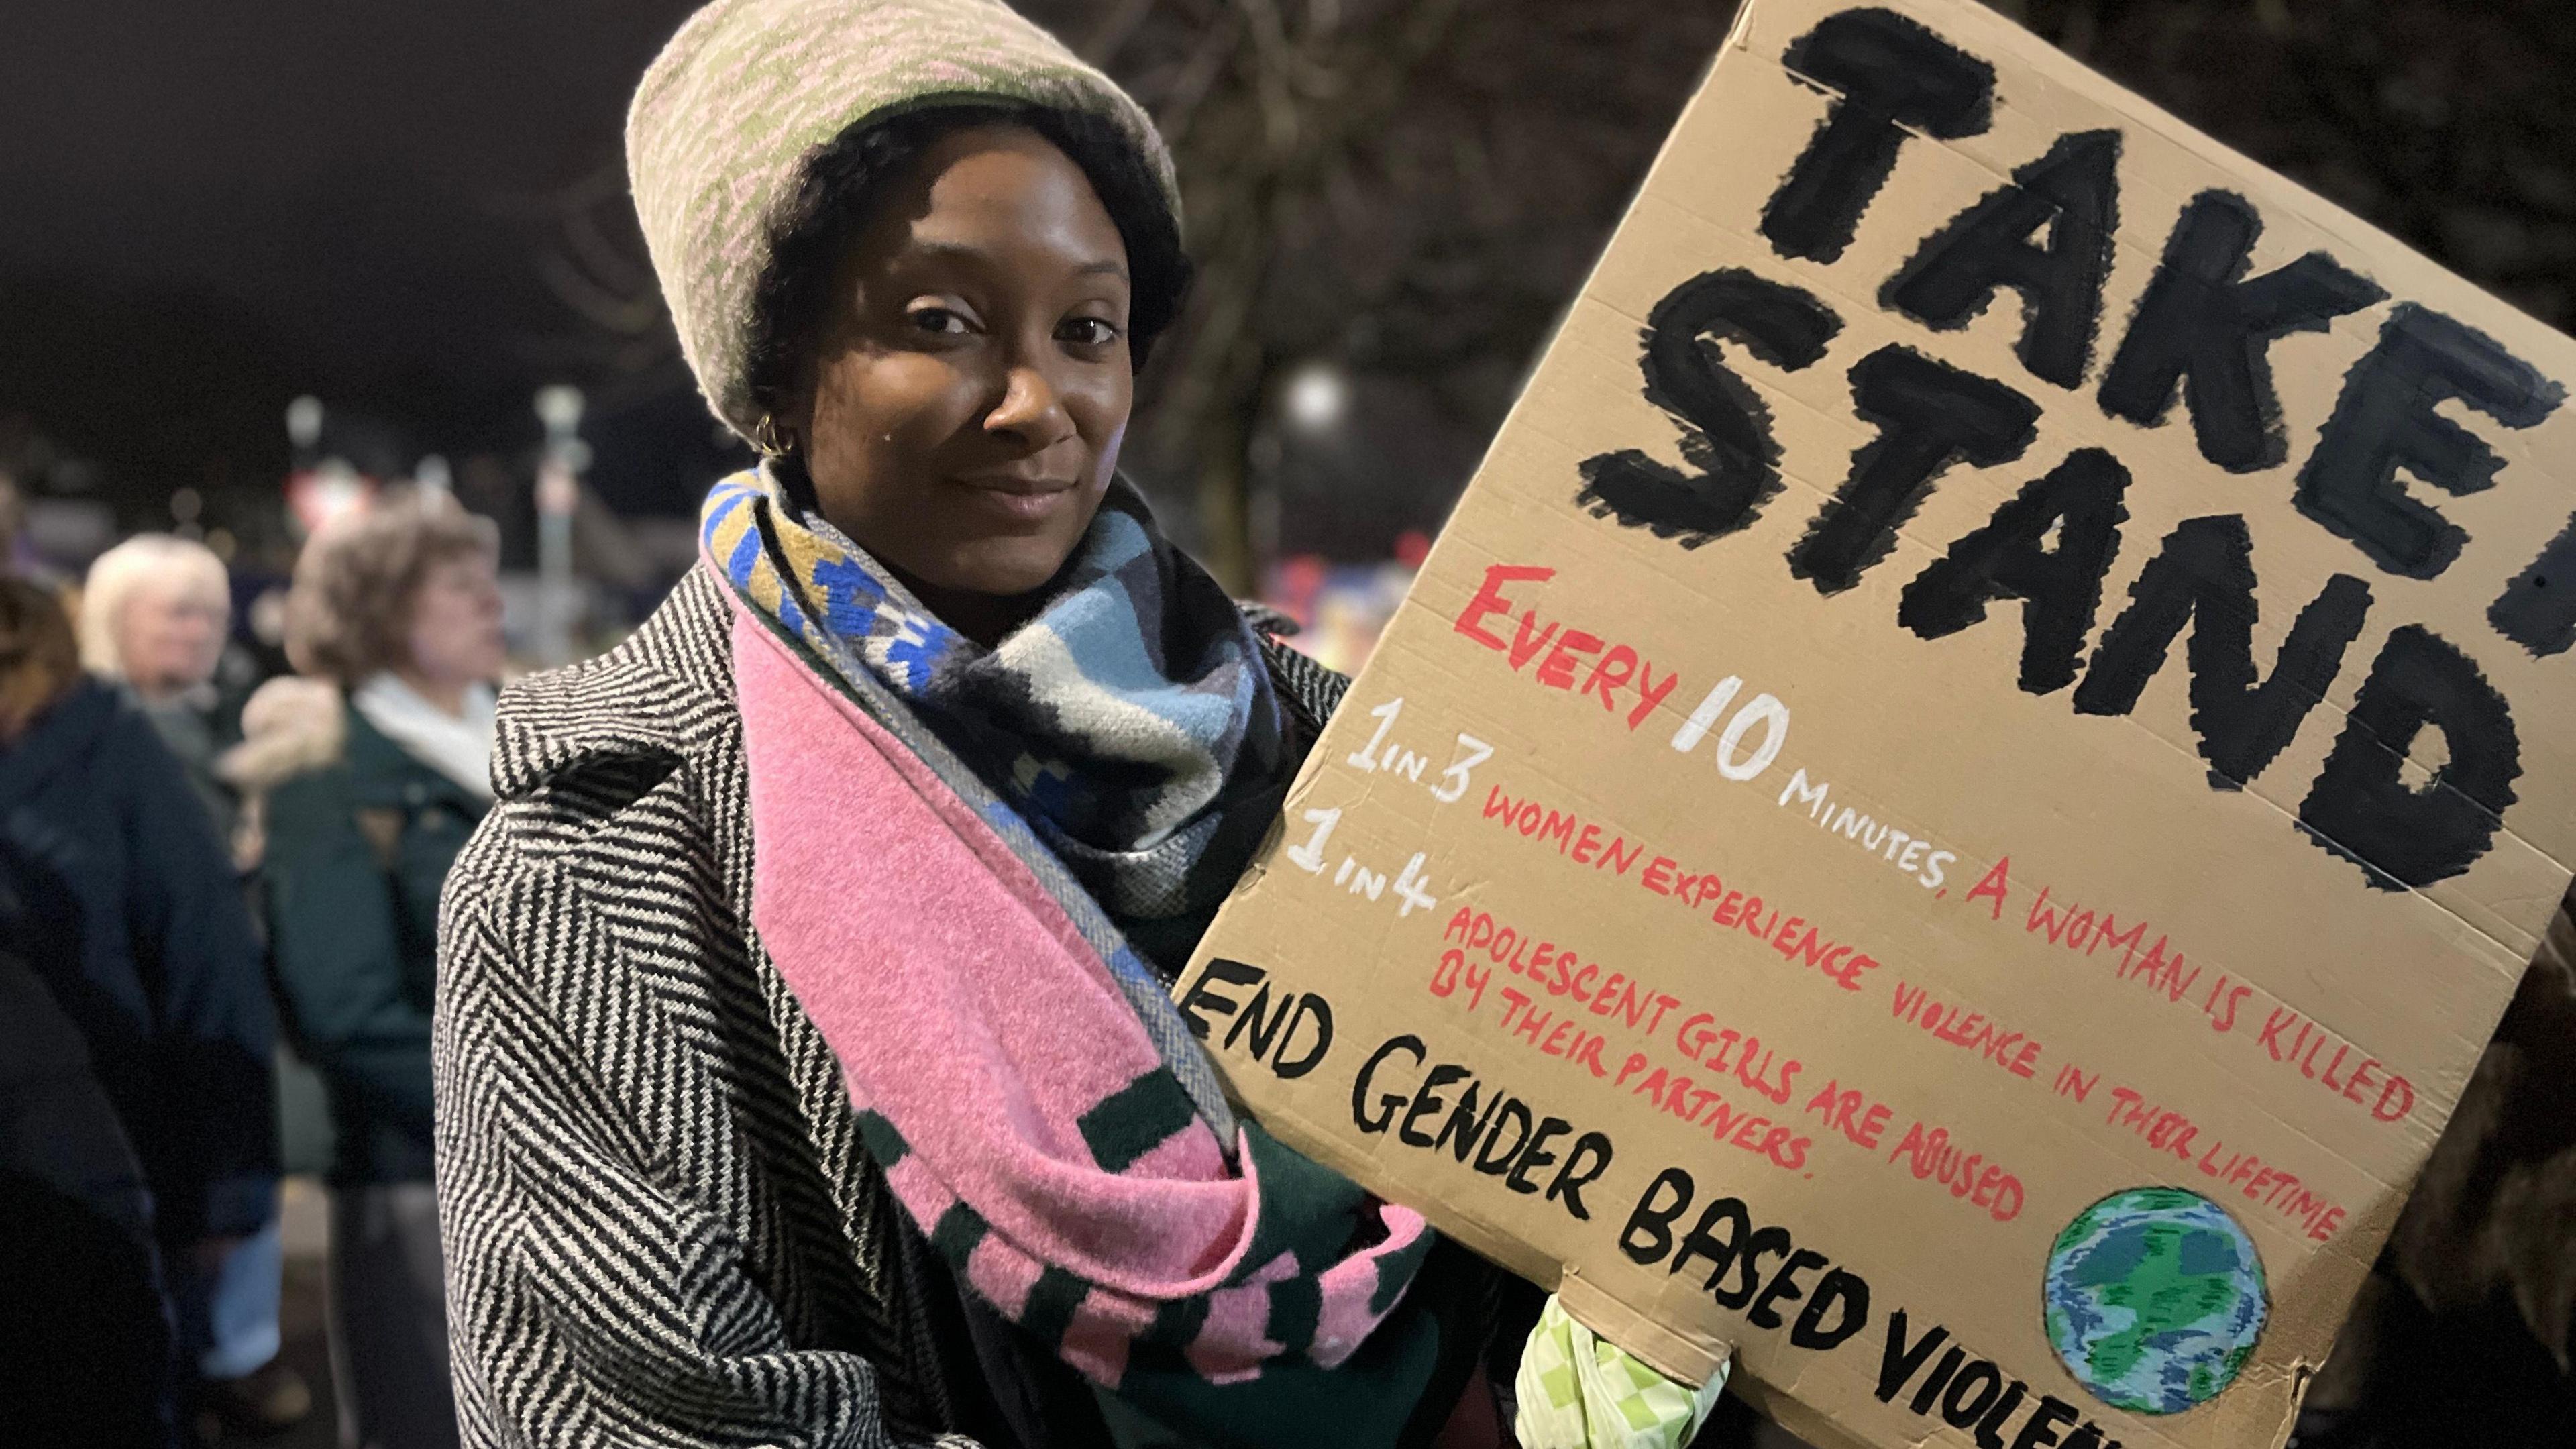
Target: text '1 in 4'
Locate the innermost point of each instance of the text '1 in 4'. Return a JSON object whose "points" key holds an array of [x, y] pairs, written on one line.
{"points": [[1382, 755]]}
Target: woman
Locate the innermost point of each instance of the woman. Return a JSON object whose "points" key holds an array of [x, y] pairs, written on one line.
{"points": [[806, 1069], [117, 899], [369, 777], [154, 613]]}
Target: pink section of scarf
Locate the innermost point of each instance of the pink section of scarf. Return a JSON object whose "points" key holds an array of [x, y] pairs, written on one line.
{"points": [[962, 1004]]}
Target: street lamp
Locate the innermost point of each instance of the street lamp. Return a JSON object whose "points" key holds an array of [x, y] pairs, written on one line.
{"points": [[558, 495], [1317, 397]]}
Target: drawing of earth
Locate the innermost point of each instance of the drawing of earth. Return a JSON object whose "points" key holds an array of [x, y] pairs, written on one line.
{"points": [[2154, 1298]]}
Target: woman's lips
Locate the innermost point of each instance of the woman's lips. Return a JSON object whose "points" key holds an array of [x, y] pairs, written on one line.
{"points": [[1017, 497]]}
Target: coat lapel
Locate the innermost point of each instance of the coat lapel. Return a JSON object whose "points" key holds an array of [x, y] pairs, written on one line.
{"points": [[666, 698]]}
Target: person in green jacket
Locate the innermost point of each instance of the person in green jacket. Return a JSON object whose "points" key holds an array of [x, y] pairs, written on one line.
{"points": [[368, 774]]}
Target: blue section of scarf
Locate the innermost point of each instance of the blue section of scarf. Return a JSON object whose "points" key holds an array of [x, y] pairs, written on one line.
{"points": [[1130, 727]]}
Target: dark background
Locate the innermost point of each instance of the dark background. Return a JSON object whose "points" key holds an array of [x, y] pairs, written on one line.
{"points": [[417, 213], [211, 208]]}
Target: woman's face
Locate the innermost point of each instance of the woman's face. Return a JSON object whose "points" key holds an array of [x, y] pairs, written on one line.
{"points": [[969, 389], [456, 622], [170, 634]]}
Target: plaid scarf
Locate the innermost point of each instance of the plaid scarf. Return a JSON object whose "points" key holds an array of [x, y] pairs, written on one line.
{"points": [[1131, 723], [1127, 736]]}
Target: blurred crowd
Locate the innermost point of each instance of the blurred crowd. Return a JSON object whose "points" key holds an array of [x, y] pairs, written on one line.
{"points": [[219, 879], [233, 776], [222, 844]]}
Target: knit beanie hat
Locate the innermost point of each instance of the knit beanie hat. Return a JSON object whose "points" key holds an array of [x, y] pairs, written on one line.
{"points": [[737, 105]]}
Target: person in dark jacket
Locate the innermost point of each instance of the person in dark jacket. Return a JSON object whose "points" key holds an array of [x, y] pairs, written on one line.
{"points": [[85, 1334], [115, 893], [155, 611], [367, 778]]}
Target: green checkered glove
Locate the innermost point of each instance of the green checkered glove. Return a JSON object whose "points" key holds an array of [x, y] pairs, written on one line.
{"points": [[1578, 1392]]}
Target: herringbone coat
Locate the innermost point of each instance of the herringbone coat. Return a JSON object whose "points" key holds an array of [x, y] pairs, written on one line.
{"points": [[661, 1227]]}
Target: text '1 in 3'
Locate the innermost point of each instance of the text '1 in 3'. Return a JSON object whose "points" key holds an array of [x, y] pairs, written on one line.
{"points": [[1384, 756]]}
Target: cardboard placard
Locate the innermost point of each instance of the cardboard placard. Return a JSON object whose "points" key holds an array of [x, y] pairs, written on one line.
{"points": [[1964, 787]]}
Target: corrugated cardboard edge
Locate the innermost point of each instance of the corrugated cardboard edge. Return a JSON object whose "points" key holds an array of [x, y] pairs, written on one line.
{"points": [[1677, 1354]]}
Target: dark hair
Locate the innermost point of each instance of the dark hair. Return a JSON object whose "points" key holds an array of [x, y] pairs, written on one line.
{"points": [[39, 657], [348, 614], [843, 183]]}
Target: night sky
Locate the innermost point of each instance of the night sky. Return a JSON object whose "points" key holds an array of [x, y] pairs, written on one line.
{"points": [[212, 207]]}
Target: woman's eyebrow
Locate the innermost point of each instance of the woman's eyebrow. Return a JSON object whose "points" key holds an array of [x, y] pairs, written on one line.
{"points": [[946, 251]]}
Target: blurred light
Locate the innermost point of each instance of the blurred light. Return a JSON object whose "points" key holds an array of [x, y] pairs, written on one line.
{"points": [[304, 421], [268, 618], [559, 408], [185, 505], [223, 543], [432, 475], [1317, 397], [321, 495]]}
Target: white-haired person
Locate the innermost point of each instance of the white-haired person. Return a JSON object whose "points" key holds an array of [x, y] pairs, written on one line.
{"points": [[154, 614]]}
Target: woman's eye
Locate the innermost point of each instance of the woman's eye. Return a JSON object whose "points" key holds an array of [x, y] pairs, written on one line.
{"points": [[939, 321], [1088, 332]]}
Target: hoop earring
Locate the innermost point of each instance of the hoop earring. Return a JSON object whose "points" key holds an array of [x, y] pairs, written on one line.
{"points": [[768, 439]]}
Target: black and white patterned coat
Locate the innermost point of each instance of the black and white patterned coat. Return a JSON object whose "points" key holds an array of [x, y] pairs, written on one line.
{"points": [[661, 1227]]}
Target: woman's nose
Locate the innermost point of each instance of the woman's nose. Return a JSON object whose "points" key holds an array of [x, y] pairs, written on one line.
{"points": [[1031, 409]]}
